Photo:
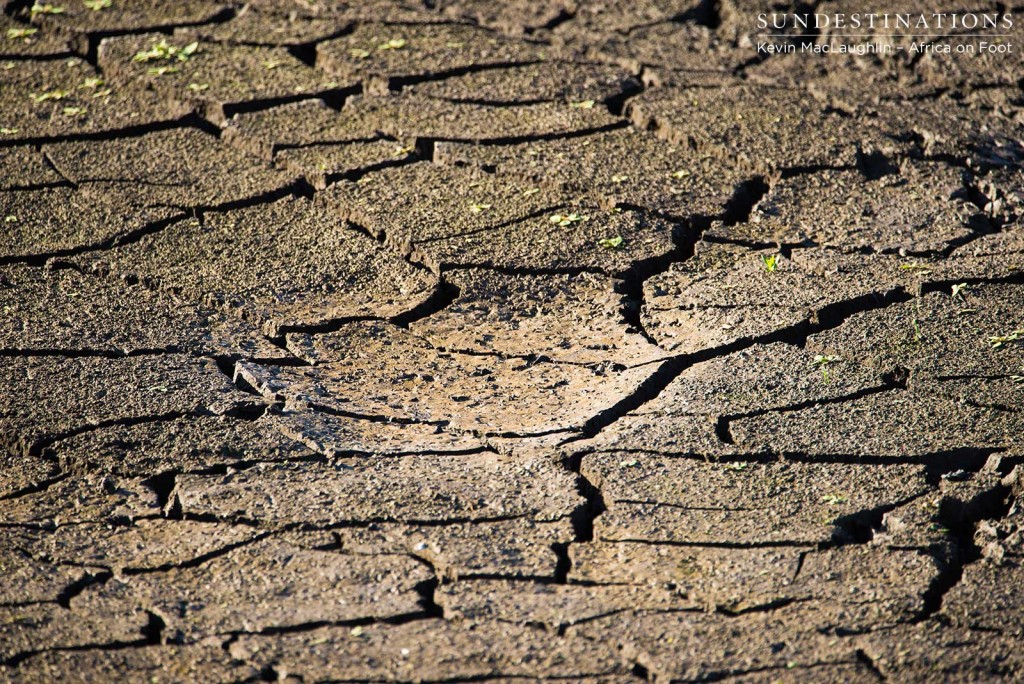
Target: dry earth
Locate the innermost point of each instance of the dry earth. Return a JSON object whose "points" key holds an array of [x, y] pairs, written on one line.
{"points": [[505, 341]]}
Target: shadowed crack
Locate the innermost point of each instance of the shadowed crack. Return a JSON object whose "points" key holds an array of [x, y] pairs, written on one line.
{"points": [[88, 353], [724, 422], [109, 243], [859, 527], [21, 657], [685, 238], [828, 317], [198, 560], [334, 96], [426, 144], [36, 447], [760, 607], [582, 518], [396, 83], [187, 121], [297, 187], [36, 487], [961, 519], [75, 588]]}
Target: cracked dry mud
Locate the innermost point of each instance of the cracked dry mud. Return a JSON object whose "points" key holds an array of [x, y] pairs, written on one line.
{"points": [[457, 340]]}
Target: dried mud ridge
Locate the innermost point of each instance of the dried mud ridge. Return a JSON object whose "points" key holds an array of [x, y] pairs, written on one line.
{"points": [[477, 341]]}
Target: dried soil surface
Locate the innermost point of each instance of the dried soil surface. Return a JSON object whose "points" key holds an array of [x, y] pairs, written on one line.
{"points": [[455, 341]]}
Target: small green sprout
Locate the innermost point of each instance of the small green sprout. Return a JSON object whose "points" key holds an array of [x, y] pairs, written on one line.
{"points": [[198, 87], [921, 269], [393, 44], [620, 178], [736, 466], [4, 130], [161, 70], [833, 499], [356, 631], [479, 208], [92, 82], [163, 50], [96, 5], [1018, 379], [454, 44], [681, 173], [630, 463], [770, 263], [10, 218], [583, 104], [958, 290], [823, 361], [74, 111], [566, 219], [359, 53], [19, 33], [272, 64], [49, 95], [997, 341], [46, 9], [611, 243]]}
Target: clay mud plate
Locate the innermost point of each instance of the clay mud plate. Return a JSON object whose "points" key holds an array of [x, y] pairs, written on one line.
{"points": [[464, 341]]}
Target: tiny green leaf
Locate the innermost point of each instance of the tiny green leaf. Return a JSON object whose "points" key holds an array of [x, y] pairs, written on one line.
{"points": [[566, 219], [162, 50], [46, 9], [161, 70], [997, 341], [922, 269], [49, 95], [19, 33]]}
